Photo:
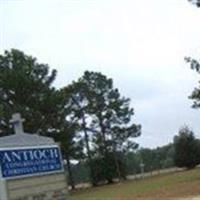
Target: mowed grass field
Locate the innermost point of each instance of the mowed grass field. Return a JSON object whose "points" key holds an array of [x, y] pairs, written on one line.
{"points": [[176, 185]]}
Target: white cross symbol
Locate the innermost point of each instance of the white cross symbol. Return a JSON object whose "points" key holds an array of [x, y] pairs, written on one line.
{"points": [[17, 122]]}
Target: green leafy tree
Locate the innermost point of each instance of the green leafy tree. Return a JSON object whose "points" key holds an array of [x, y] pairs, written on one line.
{"points": [[133, 160], [106, 170], [78, 105], [25, 87], [81, 172], [186, 149], [168, 156], [110, 113], [154, 159], [195, 96], [71, 147], [70, 141], [147, 156], [107, 116], [163, 157]]}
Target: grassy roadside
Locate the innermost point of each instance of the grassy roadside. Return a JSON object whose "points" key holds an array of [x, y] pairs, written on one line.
{"points": [[173, 185]]}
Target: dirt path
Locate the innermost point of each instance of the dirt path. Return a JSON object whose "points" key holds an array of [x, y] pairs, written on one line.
{"points": [[191, 198]]}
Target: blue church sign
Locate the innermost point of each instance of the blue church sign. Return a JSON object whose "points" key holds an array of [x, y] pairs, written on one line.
{"points": [[30, 161]]}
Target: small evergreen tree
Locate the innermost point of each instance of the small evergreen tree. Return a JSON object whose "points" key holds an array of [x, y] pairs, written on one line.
{"points": [[186, 149]]}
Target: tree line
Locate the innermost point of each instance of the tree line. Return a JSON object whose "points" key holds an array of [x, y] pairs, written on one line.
{"points": [[183, 152]]}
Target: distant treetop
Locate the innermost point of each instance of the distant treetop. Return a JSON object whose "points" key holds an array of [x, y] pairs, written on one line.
{"points": [[196, 2]]}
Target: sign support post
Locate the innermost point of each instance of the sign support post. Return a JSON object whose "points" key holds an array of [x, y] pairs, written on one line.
{"points": [[3, 188]]}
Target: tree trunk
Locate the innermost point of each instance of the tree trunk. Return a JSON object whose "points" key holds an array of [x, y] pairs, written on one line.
{"points": [[71, 180], [88, 151], [86, 142], [117, 166], [103, 136]]}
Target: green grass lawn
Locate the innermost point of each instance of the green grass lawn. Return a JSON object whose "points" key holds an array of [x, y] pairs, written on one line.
{"points": [[177, 184]]}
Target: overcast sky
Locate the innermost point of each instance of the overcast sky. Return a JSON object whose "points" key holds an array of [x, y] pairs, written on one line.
{"points": [[140, 44]]}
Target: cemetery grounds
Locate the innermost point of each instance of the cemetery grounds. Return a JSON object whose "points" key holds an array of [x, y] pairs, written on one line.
{"points": [[183, 185]]}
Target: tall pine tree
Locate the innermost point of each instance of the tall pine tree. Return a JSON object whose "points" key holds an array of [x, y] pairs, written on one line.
{"points": [[107, 117]]}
